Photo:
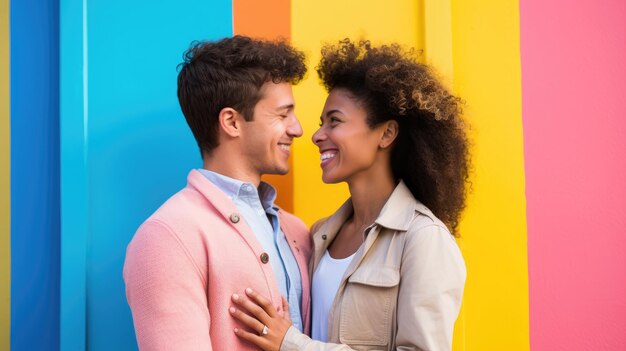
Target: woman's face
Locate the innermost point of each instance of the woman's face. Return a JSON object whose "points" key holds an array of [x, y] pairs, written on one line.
{"points": [[348, 146]]}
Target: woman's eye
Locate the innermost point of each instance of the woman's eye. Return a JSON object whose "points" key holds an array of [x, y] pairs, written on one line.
{"points": [[332, 121]]}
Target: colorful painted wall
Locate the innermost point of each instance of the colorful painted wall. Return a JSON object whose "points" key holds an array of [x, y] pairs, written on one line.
{"points": [[92, 141], [574, 77]]}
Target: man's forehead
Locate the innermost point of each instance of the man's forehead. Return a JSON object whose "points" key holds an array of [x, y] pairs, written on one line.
{"points": [[277, 95]]}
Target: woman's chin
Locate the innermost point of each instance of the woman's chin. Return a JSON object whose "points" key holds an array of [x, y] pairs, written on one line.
{"points": [[327, 179], [330, 179]]}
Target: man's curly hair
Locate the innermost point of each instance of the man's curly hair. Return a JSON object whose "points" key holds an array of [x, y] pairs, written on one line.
{"points": [[430, 153], [230, 73]]}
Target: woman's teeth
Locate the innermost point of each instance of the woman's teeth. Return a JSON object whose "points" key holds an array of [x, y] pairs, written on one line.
{"points": [[326, 156]]}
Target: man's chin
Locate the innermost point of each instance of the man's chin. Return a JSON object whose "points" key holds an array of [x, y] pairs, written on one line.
{"points": [[277, 171], [282, 172]]}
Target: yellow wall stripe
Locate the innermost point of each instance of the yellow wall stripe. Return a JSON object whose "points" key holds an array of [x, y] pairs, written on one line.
{"points": [[314, 23], [487, 74], [5, 187], [437, 36], [476, 50], [425, 25], [437, 44]]}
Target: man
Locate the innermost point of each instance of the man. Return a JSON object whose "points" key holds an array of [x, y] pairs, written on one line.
{"points": [[222, 233]]}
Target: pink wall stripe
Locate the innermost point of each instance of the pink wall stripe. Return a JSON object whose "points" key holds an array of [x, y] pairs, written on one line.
{"points": [[574, 116]]}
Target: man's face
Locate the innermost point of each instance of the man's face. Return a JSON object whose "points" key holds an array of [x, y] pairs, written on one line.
{"points": [[268, 136]]}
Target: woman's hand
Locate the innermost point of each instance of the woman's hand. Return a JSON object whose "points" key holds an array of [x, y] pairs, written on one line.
{"points": [[267, 327]]}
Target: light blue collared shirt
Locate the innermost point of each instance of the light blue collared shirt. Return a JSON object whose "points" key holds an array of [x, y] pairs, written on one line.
{"points": [[258, 210]]}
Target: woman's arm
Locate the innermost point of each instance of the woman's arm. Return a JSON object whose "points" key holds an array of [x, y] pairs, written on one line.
{"points": [[280, 334], [432, 278]]}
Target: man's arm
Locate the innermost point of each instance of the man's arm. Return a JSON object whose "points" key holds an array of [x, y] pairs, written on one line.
{"points": [[166, 292]]}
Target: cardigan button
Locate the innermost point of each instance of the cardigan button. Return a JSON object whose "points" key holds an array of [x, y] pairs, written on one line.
{"points": [[265, 258], [324, 237], [234, 218]]}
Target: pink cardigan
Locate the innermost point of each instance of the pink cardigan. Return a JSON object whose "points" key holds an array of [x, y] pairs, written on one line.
{"points": [[186, 261]]}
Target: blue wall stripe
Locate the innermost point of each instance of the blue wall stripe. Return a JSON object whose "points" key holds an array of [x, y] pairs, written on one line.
{"points": [[74, 197], [35, 211], [125, 147]]}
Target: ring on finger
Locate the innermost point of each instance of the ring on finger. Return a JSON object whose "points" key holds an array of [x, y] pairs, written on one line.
{"points": [[265, 330]]}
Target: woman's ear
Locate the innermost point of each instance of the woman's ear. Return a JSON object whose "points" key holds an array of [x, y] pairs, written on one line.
{"points": [[230, 122], [390, 133]]}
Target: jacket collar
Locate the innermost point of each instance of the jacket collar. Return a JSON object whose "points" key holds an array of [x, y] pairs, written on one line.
{"points": [[400, 209], [396, 214]]}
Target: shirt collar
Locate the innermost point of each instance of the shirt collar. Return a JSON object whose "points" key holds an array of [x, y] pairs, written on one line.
{"points": [[267, 193], [235, 188]]}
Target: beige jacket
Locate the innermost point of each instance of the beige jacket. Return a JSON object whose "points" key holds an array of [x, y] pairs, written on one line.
{"points": [[403, 288]]}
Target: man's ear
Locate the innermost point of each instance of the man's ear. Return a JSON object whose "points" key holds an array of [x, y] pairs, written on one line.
{"points": [[230, 121], [389, 134]]}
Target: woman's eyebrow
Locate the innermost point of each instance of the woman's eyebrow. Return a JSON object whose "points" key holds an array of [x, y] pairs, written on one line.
{"points": [[333, 111]]}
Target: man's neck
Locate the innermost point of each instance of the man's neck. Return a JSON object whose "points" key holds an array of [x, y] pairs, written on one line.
{"points": [[226, 166]]}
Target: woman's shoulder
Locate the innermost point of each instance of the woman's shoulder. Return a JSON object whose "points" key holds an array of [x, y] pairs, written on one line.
{"points": [[425, 218], [318, 224], [333, 222], [426, 227], [430, 243]]}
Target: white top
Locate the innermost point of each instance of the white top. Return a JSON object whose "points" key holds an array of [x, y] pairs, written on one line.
{"points": [[326, 280]]}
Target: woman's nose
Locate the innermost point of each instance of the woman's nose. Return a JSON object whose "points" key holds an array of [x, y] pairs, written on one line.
{"points": [[318, 136]]}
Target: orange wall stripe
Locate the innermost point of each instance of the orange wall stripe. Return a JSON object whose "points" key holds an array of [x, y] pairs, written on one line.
{"points": [[270, 20]]}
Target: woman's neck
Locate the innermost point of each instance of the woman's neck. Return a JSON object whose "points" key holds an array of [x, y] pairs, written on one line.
{"points": [[369, 194]]}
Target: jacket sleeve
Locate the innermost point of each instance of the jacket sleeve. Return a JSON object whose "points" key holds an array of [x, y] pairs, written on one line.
{"points": [[296, 341], [432, 278], [166, 292]]}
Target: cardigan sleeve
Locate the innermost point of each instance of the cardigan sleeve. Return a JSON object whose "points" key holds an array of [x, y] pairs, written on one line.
{"points": [[166, 292]]}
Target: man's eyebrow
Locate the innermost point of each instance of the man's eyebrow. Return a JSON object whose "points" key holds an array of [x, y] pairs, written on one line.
{"points": [[285, 107]]}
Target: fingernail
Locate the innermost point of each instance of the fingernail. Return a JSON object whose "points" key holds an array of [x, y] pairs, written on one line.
{"points": [[236, 330], [235, 297], [248, 290], [232, 310]]}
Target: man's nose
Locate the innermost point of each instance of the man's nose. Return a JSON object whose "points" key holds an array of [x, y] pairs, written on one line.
{"points": [[295, 128]]}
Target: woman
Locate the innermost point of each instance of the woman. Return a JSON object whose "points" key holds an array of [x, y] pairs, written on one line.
{"points": [[387, 273]]}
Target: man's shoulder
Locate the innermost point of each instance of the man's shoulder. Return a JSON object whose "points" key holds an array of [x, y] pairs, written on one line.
{"points": [[185, 203], [292, 221], [187, 208], [198, 194], [296, 231], [186, 220]]}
